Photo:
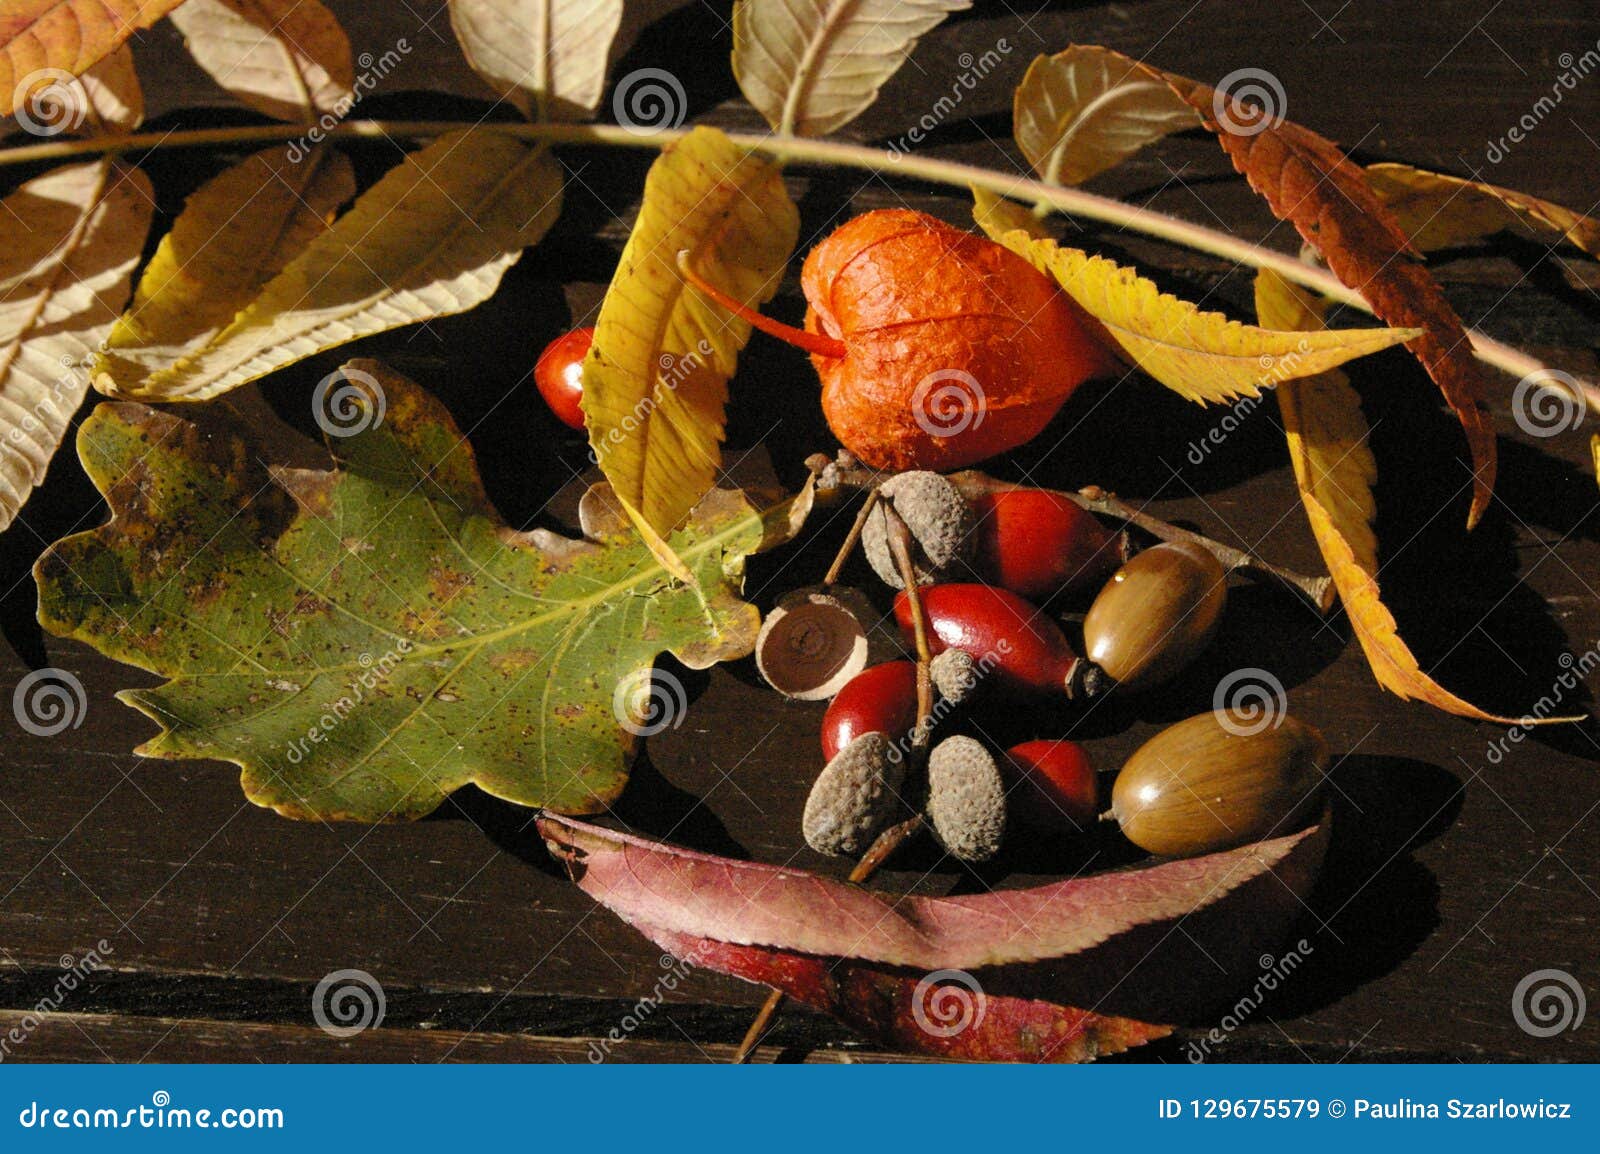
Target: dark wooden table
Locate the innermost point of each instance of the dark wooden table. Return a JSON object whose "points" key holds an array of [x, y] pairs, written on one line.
{"points": [[1454, 873]]}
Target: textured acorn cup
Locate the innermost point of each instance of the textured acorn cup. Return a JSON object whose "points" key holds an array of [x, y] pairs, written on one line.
{"points": [[955, 675], [1210, 783], [854, 797], [939, 519], [814, 641], [1156, 614], [966, 799]]}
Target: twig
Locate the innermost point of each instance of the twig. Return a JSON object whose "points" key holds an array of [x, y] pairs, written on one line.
{"points": [[806, 150], [852, 538]]}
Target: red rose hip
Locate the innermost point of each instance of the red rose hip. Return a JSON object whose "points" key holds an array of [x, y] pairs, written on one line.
{"points": [[559, 375], [1008, 638], [1053, 785], [881, 699], [1037, 543]]}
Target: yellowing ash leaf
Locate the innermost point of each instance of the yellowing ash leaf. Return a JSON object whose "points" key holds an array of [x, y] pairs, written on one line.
{"points": [[69, 241], [1335, 470], [811, 66], [655, 381], [1438, 211], [236, 232], [1200, 355], [65, 36], [287, 59], [432, 238], [364, 640], [1085, 110], [997, 216], [549, 55]]}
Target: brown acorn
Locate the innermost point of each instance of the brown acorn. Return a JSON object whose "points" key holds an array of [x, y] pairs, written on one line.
{"points": [[1219, 780], [1156, 613]]}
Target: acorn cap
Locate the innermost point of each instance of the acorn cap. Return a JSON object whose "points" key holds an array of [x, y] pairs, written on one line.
{"points": [[966, 799], [815, 640], [940, 519], [854, 796], [955, 675]]}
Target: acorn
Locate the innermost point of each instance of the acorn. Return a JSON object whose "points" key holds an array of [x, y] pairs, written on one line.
{"points": [[854, 797], [1008, 638], [966, 799], [881, 698], [1052, 786], [815, 640], [1156, 613], [1219, 780], [939, 518], [1038, 544]]}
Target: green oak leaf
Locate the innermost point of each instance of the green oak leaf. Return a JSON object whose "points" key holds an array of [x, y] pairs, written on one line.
{"points": [[362, 641]]}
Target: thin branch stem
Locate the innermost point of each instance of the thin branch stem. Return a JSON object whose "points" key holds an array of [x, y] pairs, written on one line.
{"points": [[852, 538], [801, 150]]}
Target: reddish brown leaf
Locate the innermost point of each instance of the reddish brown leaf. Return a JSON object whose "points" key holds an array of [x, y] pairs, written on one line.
{"points": [[41, 38]]}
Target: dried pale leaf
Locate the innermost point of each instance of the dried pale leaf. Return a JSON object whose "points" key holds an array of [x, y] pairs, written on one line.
{"points": [[1085, 110], [549, 55], [811, 66], [1335, 470], [363, 641], [64, 36], [1439, 211], [432, 238], [655, 381], [1202, 356], [288, 59], [997, 216], [69, 241], [112, 95], [745, 903], [236, 232]]}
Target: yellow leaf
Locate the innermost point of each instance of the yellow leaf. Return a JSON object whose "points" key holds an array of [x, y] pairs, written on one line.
{"points": [[1086, 109], [1438, 211], [1202, 356], [69, 241], [236, 232], [811, 66], [288, 59], [39, 37], [997, 216], [554, 51], [432, 238], [655, 381], [1335, 471]]}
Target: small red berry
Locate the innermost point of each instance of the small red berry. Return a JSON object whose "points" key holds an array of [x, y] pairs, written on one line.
{"points": [[559, 375], [881, 699], [1052, 785], [1037, 543], [1007, 637]]}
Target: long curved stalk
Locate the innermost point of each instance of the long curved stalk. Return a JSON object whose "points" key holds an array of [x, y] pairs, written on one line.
{"points": [[1072, 201]]}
